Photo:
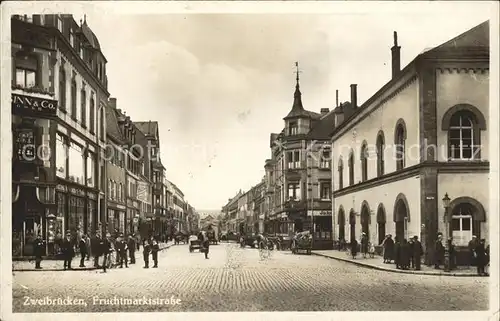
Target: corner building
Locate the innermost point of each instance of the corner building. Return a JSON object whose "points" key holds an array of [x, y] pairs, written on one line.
{"points": [[421, 136]]}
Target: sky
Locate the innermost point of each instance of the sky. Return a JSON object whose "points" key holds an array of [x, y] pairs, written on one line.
{"points": [[219, 84]]}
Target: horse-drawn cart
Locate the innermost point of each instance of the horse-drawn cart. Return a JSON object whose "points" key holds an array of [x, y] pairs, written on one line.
{"points": [[194, 243], [302, 242]]}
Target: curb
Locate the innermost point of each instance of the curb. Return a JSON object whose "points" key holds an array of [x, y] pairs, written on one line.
{"points": [[74, 269], [374, 267]]}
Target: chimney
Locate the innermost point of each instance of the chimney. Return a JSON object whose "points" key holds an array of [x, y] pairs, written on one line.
{"points": [[354, 96], [112, 103], [396, 56], [336, 98], [324, 111]]}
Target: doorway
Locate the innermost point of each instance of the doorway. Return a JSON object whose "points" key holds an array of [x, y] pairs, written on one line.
{"points": [[400, 218], [31, 228]]}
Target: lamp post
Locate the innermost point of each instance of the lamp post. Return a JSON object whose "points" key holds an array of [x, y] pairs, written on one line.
{"points": [[446, 205]]}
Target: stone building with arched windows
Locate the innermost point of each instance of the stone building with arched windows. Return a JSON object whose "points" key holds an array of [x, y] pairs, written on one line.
{"points": [[421, 136]]}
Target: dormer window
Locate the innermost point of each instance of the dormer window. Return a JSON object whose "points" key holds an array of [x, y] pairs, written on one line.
{"points": [[293, 128], [81, 51], [71, 37], [59, 23]]}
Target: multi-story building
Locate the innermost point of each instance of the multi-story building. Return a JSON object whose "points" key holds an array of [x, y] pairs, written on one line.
{"points": [[230, 211], [116, 169], [298, 175], [155, 168], [169, 197], [249, 210], [421, 138], [258, 207], [59, 88], [178, 207], [241, 218]]}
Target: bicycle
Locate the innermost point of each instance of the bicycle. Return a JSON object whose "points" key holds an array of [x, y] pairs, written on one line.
{"points": [[264, 250], [111, 260]]}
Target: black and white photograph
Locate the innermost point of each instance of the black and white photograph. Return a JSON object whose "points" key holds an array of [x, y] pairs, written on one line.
{"points": [[245, 156]]}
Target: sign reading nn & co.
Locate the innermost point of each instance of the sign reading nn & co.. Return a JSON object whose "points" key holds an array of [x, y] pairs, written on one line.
{"points": [[33, 105]]}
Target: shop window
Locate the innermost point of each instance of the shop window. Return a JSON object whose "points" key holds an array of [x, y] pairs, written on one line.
{"points": [[91, 168], [61, 157], [76, 164]]}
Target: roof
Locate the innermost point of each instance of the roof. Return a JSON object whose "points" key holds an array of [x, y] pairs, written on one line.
{"points": [[297, 107], [149, 128], [112, 128], [479, 36], [322, 129], [89, 34]]}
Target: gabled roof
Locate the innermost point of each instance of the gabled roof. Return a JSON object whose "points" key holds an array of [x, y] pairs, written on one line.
{"points": [[323, 128], [479, 36], [149, 128], [112, 128]]}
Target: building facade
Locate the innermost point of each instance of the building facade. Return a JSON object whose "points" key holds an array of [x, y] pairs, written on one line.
{"points": [[230, 211], [178, 207], [59, 90], [420, 137]]}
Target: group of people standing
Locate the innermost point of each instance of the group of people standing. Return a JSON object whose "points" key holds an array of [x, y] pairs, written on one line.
{"points": [[404, 253]]}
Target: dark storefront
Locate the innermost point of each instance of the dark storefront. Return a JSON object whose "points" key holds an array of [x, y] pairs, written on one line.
{"points": [[117, 218]]}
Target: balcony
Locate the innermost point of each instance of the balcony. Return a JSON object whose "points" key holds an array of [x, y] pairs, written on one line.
{"points": [[157, 188], [294, 205]]}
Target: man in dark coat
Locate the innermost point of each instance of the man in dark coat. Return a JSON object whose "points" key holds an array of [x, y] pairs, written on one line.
{"points": [[145, 253], [354, 248], [155, 247], [131, 248], [106, 248], [121, 251], [481, 257], [438, 252], [388, 245], [39, 251], [397, 252], [411, 250], [472, 247], [364, 244], [418, 251], [83, 250], [97, 244], [68, 251], [404, 255], [453, 254]]}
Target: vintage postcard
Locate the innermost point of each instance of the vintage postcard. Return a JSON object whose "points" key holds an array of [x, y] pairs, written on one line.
{"points": [[317, 159]]}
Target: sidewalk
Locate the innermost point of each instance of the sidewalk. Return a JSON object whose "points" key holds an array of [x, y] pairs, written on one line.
{"points": [[377, 263], [57, 265]]}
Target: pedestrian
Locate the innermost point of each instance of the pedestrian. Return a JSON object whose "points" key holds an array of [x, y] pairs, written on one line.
{"points": [[417, 252], [404, 255], [388, 246], [122, 250], [87, 244], [83, 249], [138, 242], [411, 250], [472, 247], [146, 249], [131, 248], [206, 245], [371, 251], [438, 252], [39, 251], [487, 252], [364, 244], [155, 247], [481, 257], [354, 248], [106, 250], [453, 254], [397, 252], [68, 251], [97, 244]]}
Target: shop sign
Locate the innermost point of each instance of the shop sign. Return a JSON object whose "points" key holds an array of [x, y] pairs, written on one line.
{"points": [[33, 105], [61, 188], [77, 191], [319, 213], [25, 143], [122, 207]]}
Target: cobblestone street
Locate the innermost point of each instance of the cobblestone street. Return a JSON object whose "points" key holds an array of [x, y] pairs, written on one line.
{"points": [[235, 279]]}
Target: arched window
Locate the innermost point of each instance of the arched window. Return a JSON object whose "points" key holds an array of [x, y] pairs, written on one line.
{"points": [[400, 140], [92, 115], [62, 89], [380, 153], [462, 224], [364, 162], [351, 168], [463, 138], [83, 110], [341, 173], [26, 70], [73, 100]]}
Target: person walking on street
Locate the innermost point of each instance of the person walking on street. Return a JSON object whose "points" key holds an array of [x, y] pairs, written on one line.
{"points": [[121, 247], [206, 245], [438, 252], [138, 242], [472, 247], [453, 254], [97, 246], [106, 250], [83, 250], [146, 249], [397, 252], [364, 244], [131, 248], [89, 249], [68, 251], [39, 251], [481, 258], [388, 246], [354, 248], [155, 247], [411, 250], [404, 255], [417, 252]]}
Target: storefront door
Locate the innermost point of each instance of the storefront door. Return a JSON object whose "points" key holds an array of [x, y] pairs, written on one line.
{"points": [[31, 228]]}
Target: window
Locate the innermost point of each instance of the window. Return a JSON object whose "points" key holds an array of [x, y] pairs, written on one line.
{"points": [[73, 100], [101, 123], [59, 23], [325, 190], [461, 136], [24, 17], [71, 37], [76, 164], [351, 168], [92, 115], [462, 224], [91, 163], [364, 162], [62, 88], [82, 51], [83, 109], [325, 159], [61, 156], [380, 154], [341, 174], [400, 146], [294, 191], [293, 159], [26, 71], [293, 128]]}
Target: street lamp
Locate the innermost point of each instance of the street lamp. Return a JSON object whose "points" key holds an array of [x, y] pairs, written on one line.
{"points": [[446, 205]]}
